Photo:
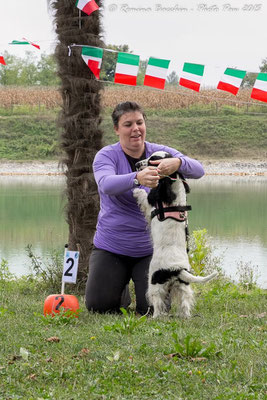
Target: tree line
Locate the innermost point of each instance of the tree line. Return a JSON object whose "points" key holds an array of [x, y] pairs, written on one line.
{"points": [[30, 71]]}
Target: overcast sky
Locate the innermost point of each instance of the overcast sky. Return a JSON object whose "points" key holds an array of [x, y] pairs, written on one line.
{"points": [[217, 33]]}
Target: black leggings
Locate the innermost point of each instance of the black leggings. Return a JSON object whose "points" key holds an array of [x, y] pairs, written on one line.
{"points": [[107, 283]]}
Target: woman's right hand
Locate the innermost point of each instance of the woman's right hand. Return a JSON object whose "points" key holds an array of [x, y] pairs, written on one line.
{"points": [[148, 177]]}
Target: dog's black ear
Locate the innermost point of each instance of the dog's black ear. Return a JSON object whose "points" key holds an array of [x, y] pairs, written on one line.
{"points": [[186, 186], [153, 197]]}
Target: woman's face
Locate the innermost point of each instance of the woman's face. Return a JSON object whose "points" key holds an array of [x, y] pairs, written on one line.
{"points": [[132, 133]]}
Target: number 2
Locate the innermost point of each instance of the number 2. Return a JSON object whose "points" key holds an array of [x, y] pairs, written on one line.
{"points": [[67, 272], [60, 302]]}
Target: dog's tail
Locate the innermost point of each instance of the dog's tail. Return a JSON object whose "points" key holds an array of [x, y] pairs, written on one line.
{"points": [[189, 278]]}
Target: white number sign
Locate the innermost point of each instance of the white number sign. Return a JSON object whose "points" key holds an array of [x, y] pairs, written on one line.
{"points": [[70, 268]]}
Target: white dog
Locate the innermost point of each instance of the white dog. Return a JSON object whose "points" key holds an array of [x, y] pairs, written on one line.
{"points": [[165, 210]]}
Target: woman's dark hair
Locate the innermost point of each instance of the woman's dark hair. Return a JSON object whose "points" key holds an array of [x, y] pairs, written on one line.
{"points": [[122, 108]]}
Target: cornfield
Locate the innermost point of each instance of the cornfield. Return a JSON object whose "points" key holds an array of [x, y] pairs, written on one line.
{"points": [[171, 99], [31, 96]]}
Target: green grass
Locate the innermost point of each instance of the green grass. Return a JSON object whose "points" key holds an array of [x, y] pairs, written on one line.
{"points": [[220, 353], [29, 137], [206, 136], [201, 132]]}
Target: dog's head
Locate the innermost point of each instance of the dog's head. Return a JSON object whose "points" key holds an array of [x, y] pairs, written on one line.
{"points": [[164, 191], [158, 155]]}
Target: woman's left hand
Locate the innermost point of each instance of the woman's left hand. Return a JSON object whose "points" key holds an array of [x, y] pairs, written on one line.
{"points": [[167, 166]]}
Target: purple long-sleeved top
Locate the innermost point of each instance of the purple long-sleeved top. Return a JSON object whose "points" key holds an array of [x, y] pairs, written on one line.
{"points": [[121, 227]]}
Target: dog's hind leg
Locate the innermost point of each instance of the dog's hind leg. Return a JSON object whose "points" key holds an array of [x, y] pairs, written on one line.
{"points": [[157, 297], [183, 297]]}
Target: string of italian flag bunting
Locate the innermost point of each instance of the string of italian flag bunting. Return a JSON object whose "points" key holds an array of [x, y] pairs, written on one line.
{"points": [[25, 41], [156, 73], [127, 66]]}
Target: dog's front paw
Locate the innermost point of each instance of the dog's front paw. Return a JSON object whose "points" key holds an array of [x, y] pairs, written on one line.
{"points": [[141, 198], [137, 191]]}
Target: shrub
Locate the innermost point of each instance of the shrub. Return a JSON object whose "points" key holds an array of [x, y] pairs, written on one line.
{"points": [[248, 275], [201, 256], [48, 271]]}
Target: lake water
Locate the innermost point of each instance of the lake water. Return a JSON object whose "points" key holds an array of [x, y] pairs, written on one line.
{"points": [[232, 209]]}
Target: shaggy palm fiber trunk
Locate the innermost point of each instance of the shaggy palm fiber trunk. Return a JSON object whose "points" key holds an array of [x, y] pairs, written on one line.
{"points": [[79, 120]]}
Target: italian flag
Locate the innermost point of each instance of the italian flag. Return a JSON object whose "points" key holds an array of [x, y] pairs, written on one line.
{"points": [[259, 91], [126, 69], [25, 41], [92, 57], [87, 6], [2, 60], [231, 80], [156, 72], [191, 76]]}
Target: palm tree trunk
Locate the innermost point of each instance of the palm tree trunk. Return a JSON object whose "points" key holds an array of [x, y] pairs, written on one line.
{"points": [[79, 121]]}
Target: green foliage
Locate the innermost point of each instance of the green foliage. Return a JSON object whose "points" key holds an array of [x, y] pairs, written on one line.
{"points": [[55, 358], [47, 71], [29, 137], [3, 311], [172, 79], [263, 67], [47, 271], [13, 74], [141, 72], [6, 277], [29, 71], [109, 61], [202, 133], [63, 317], [5, 274], [228, 110], [190, 347], [31, 134], [199, 251], [248, 275], [25, 284], [249, 80], [251, 77], [128, 324]]}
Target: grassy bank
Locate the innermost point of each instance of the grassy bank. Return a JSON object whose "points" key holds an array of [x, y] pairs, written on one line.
{"points": [[219, 354], [199, 130]]}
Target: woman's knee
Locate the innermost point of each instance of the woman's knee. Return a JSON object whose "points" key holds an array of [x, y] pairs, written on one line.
{"points": [[97, 307]]}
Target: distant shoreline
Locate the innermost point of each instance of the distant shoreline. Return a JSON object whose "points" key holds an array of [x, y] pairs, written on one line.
{"points": [[212, 167]]}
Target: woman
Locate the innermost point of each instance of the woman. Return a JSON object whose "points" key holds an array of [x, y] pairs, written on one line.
{"points": [[122, 246]]}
